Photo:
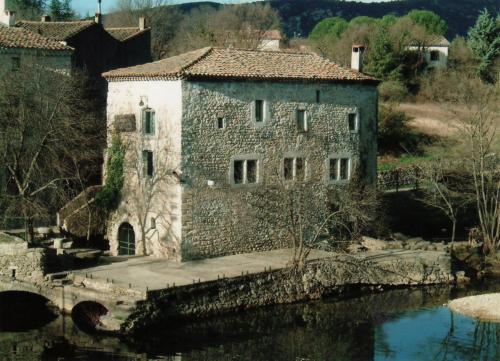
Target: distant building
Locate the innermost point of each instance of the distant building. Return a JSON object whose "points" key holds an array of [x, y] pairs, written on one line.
{"points": [[206, 131], [96, 49], [271, 40], [436, 52]]}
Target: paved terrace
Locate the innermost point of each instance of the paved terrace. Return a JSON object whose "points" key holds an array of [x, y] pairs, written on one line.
{"points": [[141, 273]]}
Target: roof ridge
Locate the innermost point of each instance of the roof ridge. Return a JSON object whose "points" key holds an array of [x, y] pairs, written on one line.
{"points": [[207, 50], [281, 51]]}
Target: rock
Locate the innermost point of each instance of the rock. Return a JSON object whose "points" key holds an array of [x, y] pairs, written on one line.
{"points": [[7, 238], [373, 244], [460, 277]]}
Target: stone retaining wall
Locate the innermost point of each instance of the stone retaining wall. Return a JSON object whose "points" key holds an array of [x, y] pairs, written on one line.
{"points": [[19, 260], [331, 276]]}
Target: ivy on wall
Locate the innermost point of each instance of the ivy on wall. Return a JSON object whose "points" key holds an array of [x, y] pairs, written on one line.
{"points": [[109, 196]]}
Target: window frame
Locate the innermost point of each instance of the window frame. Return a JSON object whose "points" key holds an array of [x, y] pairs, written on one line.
{"points": [[15, 63], [224, 123], [245, 159], [338, 157], [305, 129], [434, 53], [356, 122], [144, 121], [146, 163], [266, 112], [294, 158]]}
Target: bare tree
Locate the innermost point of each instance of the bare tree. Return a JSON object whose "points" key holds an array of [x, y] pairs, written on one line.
{"points": [[48, 127]]}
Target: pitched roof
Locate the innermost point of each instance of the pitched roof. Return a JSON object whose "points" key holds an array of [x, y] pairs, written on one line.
{"points": [[124, 34], [439, 40], [217, 63], [57, 30], [22, 38], [272, 35]]}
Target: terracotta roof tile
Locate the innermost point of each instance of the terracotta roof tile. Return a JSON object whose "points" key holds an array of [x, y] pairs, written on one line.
{"points": [[57, 30], [124, 34], [243, 64], [22, 38]]}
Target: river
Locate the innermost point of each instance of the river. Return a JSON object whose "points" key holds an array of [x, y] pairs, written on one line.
{"points": [[403, 324]]}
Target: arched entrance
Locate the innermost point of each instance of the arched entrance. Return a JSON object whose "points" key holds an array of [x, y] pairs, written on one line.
{"points": [[126, 240]]}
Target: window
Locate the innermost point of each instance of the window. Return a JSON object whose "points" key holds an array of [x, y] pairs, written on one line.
{"points": [[352, 120], [339, 169], [16, 63], [221, 123], [301, 120], [153, 223], [245, 171], [434, 55], [147, 163], [259, 111], [148, 122], [318, 96], [294, 169]]}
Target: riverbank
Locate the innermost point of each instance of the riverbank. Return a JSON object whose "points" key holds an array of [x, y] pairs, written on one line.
{"points": [[482, 307]]}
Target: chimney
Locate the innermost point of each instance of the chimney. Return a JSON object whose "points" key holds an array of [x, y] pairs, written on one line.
{"points": [[357, 57], [10, 18], [142, 22], [45, 19], [98, 18]]}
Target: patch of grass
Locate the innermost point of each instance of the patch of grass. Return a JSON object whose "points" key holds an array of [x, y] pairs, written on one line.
{"points": [[387, 163]]}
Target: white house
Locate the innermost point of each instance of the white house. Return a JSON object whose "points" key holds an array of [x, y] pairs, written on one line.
{"points": [[435, 51], [208, 132]]}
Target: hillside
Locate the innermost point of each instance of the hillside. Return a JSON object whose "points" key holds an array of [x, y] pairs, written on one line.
{"points": [[300, 16]]}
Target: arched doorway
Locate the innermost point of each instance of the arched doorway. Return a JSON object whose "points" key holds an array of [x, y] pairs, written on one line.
{"points": [[126, 240]]}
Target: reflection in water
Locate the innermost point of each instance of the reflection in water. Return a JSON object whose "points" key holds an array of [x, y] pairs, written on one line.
{"points": [[393, 325]]}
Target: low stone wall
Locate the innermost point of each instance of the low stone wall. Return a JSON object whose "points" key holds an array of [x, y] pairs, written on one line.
{"points": [[331, 276], [16, 259]]}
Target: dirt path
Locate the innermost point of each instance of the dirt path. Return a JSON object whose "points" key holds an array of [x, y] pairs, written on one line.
{"points": [[483, 307]]}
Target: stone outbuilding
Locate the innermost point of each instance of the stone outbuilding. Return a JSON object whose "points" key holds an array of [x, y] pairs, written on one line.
{"points": [[436, 52], [207, 133]]}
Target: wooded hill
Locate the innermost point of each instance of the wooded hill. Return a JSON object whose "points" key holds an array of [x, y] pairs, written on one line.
{"points": [[300, 16]]}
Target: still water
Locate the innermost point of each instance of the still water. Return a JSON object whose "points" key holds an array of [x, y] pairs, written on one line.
{"points": [[391, 325]]}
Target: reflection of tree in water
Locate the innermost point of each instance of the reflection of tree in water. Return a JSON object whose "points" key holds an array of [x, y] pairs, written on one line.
{"points": [[483, 344]]}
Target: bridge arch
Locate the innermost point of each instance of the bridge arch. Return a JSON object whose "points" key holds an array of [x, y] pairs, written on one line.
{"points": [[24, 310], [87, 314]]}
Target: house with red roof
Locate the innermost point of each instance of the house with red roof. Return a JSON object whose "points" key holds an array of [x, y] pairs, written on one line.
{"points": [[209, 134]]}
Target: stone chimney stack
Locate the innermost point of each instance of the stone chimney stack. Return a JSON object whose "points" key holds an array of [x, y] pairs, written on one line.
{"points": [[10, 18], [357, 57], [142, 22], [7, 17], [45, 19], [98, 18]]}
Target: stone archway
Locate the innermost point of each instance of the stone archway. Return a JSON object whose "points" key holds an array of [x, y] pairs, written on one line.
{"points": [[126, 240]]}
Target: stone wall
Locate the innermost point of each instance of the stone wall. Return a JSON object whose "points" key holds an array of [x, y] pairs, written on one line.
{"points": [[28, 263], [59, 61], [333, 276], [221, 219]]}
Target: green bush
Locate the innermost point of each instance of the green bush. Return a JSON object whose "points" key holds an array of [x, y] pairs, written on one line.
{"points": [[392, 91], [109, 196], [394, 134]]}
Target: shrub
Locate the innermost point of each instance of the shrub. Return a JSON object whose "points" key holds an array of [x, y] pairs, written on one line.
{"points": [[392, 91], [394, 134]]}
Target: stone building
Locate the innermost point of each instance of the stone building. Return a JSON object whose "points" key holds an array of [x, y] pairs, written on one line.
{"points": [[209, 131], [19, 46], [96, 49]]}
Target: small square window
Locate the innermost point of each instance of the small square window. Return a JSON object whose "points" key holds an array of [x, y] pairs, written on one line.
{"points": [[301, 120], [148, 164], [149, 122], [353, 122], [340, 169], [318, 96], [16, 63], [434, 55], [221, 123], [259, 111]]}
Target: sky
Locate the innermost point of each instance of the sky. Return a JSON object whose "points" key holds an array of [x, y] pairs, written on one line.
{"points": [[90, 6]]}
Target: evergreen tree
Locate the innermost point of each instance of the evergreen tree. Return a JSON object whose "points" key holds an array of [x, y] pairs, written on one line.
{"points": [[431, 21], [382, 61], [484, 40], [60, 10]]}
